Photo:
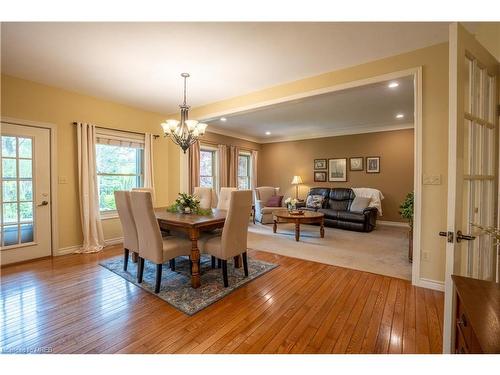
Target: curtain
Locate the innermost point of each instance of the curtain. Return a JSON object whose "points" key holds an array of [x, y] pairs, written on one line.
{"points": [[194, 166], [93, 238], [223, 167], [233, 166], [148, 163], [253, 176]]}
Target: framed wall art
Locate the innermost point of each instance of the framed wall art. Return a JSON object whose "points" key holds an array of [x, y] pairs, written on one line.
{"points": [[320, 164], [356, 164], [337, 170], [373, 164]]}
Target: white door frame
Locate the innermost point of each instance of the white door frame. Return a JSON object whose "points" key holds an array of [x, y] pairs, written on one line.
{"points": [[53, 174], [416, 72]]}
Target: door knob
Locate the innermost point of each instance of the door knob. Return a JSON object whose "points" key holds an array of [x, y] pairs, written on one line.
{"points": [[466, 237], [44, 203]]}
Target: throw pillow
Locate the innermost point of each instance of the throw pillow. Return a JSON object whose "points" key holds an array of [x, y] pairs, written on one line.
{"points": [[274, 201], [314, 201], [359, 204]]}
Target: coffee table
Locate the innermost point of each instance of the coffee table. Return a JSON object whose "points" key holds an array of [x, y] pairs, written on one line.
{"points": [[309, 217]]}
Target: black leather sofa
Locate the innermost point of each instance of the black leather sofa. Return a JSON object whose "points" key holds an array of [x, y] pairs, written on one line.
{"points": [[336, 205]]}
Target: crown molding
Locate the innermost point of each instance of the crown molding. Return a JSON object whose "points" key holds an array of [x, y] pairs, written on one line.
{"points": [[232, 133]]}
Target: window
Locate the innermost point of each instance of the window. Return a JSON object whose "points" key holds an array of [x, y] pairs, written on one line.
{"points": [[119, 166], [244, 171], [208, 168]]}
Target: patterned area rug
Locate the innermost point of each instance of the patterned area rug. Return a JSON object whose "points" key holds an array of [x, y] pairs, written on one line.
{"points": [[176, 286]]}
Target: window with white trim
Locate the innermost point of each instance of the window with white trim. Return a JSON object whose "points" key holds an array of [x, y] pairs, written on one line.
{"points": [[119, 165], [244, 171], [208, 167]]}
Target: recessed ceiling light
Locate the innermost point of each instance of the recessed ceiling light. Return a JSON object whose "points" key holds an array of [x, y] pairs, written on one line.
{"points": [[223, 119], [400, 115], [393, 85], [268, 133]]}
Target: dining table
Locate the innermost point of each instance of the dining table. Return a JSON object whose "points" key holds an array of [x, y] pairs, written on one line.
{"points": [[194, 225]]}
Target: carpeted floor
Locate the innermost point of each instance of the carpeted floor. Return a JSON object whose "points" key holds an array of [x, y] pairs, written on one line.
{"points": [[383, 251]]}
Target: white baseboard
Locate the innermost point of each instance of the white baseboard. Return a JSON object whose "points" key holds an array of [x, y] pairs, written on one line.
{"points": [[71, 249], [431, 284], [393, 223]]}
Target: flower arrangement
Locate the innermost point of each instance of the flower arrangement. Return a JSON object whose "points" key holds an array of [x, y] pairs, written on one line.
{"points": [[188, 204], [291, 203]]}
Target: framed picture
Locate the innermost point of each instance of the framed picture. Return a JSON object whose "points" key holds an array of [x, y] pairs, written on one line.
{"points": [[319, 164], [373, 164], [319, 176], [337, 170], [356, 164]]}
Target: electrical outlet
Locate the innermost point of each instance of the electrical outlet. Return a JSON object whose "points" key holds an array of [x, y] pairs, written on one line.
{"points": [[432, 179], [425, 256], [63, 180]]}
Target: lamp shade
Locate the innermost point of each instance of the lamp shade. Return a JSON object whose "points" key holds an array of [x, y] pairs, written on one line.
{"points": [[296, 180]]}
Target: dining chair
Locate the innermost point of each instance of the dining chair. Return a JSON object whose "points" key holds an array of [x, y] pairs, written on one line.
{"points": [[152, 246], [225, 197], [233, 240], [205, 196], [149, 190], [130, 240]]}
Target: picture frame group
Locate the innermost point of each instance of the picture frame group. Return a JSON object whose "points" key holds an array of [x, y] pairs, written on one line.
{"points": [[335, 169]]}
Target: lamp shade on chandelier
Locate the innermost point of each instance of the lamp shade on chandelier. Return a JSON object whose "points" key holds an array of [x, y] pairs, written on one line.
{"points": [[184, 132]]}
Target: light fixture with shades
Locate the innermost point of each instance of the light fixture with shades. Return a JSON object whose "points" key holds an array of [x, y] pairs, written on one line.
{"points": [[297, 180], [184, 132]]}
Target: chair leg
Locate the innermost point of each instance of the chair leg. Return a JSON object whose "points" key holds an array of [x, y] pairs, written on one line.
{"points": [[125, 259], [224, 273], [140, 269], [219, 264], [213, 262], [172, 264], [158, 277], [245, 263]]}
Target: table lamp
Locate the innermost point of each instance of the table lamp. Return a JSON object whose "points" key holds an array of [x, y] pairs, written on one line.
{"points": [[297, 180]]}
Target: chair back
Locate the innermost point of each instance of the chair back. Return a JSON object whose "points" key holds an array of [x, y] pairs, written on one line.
{"points": [[263, 193], [205, 196], [148, 229], [225, 197], [124, 208], [149, 190], [235, 231]]}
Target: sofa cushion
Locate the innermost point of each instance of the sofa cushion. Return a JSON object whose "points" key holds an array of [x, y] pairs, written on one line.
{"points": [[268, 210], [353, 217], [359, 204], [314, 201], [329, 213], [265, 192], [274, 201]]}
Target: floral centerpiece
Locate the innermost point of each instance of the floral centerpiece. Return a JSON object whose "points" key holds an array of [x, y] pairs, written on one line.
{"points": [[291, 203], [188, 204]]}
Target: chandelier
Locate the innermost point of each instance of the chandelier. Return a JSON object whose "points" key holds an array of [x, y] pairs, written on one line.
{"points": [[184, 132]]}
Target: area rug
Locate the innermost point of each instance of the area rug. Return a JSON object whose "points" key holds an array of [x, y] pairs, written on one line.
{"points": [[176, 285]]}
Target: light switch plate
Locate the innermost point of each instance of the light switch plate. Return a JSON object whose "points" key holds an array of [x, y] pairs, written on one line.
{"points": [[432, 179], [63, 180]]}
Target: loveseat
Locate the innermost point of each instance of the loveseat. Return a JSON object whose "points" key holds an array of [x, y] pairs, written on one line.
{"points": [[336, 206]]}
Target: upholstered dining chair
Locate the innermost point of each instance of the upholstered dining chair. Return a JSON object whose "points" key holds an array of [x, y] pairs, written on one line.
{"points": [[205, 196], [152, 246], [149, 190], [225, 197], [233, 240], [130, 239]]}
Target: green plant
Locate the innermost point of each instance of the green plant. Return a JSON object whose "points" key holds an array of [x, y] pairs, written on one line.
{"points": [[406, 209], [189, 204]]}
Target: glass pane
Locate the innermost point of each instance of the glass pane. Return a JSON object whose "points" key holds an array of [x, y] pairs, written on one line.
{"points": [[8, 146], [206, 182], [107, 187], [118, 159], [26, 233], [25, 169], [9, 213], [243, 166], [25, 190], [10, 234], [26, 211], [206, 163], [9, 168], [243, 183], [9, 191], [25, 147]]}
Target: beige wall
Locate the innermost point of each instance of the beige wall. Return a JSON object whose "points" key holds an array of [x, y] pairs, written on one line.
{"points": [[27, 100], [278, 162], [434, 62]]}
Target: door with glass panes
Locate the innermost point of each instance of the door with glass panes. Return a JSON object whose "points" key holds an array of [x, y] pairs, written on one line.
{"points": [[25, 193]]}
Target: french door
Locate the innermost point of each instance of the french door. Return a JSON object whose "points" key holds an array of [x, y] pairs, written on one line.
{"points": [[25, 214], [472, 167]]}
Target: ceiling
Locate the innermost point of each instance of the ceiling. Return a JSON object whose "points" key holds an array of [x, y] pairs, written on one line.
{"points": [[361, 109], [139, 64]]}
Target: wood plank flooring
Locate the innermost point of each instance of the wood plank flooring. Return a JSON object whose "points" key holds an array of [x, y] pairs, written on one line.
{"points": [[70, 304]]}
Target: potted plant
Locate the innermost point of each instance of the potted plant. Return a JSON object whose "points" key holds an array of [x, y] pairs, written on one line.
{"points": [[406, 212]]}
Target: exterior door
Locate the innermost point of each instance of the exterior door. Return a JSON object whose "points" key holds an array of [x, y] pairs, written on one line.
{"points": [[25, 193], [472, 183]]}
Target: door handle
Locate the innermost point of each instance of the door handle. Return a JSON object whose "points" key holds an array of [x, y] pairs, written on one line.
{"points": [[44, 203], [449, 235], [465, 237]]}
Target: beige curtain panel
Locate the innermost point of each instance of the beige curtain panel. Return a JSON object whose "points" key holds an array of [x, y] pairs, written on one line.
{"points": [[194, 166], [233, 166], [253, 177], [148, 161], [223, 166], [93, 238]]}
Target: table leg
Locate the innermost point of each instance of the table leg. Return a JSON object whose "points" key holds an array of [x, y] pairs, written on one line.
{"points": [[253, 214], [297, 230], [322, 228], [195, 258], [275, 226], [237, 261]]}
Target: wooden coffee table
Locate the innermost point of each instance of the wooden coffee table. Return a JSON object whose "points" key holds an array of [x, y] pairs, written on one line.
{"points": [[309, 217]]}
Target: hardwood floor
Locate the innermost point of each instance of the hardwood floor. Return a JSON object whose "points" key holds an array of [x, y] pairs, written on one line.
{"points": [[70, 304]]}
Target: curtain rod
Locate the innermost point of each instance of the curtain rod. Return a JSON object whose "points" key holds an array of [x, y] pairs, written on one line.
{"points": [[129, 131]]}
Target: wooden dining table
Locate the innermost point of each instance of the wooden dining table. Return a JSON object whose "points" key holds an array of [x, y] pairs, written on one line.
{"points": [[193, 225]]}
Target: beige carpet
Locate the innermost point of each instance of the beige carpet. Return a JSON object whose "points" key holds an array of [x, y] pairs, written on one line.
{"points": [[383, 251]]}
